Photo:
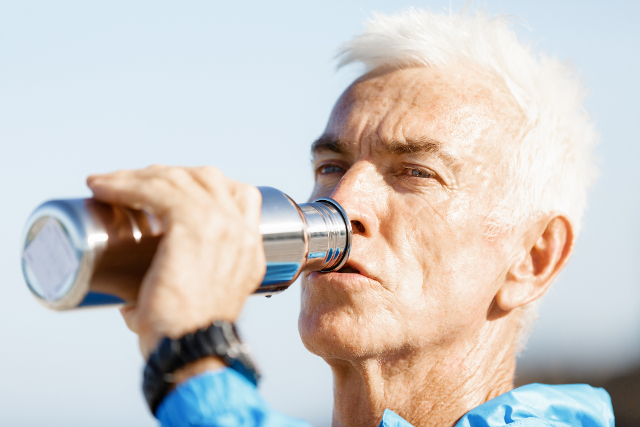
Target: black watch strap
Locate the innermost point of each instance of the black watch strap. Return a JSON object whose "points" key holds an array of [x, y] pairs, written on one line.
{"points": [[220, 339]]}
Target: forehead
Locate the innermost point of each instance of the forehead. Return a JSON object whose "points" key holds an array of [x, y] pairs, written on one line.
{"points": [[463, 109]]}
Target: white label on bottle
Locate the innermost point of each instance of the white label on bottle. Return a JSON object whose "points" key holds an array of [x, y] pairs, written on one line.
{"points": [[51, 258]]}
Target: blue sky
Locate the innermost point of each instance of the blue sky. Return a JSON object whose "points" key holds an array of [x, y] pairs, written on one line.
{"points": [[246, 86]]}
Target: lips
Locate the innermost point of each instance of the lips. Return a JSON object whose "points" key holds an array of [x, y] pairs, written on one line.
{"points": [[351, 277], [354, 267], [348, 269]]}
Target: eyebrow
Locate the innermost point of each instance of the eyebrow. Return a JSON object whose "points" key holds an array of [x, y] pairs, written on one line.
{"points": [[421, 145], [326, 143]]}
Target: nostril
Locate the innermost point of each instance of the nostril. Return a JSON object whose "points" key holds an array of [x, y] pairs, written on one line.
{"points": [[357, 225]]}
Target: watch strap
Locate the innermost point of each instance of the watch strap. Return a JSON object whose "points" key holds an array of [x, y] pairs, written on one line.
{"points": [[219, 339]]}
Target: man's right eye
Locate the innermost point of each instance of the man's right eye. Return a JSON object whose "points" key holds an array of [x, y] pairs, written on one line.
{"points": [[329, 169]]}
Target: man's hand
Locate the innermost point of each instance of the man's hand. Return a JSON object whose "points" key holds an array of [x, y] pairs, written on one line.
{"points": [[210, 258]]}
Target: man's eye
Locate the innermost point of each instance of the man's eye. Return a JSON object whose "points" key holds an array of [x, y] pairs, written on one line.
{"points": [[329, 169], [419, 173]]}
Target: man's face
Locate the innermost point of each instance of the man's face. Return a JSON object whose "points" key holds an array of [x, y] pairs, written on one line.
{"points": [[416, 157]]}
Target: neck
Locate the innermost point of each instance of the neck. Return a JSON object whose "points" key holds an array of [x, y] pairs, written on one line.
{"points": [[426, 388]]}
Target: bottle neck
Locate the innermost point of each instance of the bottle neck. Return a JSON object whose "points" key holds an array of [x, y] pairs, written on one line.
{"points": [[329, 235]]}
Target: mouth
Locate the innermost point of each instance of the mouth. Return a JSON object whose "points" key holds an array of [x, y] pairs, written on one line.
{"points": [[348, 269], [353, 275], [353, 266]]}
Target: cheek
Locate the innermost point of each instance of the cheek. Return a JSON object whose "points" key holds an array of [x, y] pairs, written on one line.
{"points": [[455, 264], [462, 283]]}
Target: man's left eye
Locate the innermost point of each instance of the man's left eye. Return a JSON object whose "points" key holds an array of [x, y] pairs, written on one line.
{"points": [[419, 173]]}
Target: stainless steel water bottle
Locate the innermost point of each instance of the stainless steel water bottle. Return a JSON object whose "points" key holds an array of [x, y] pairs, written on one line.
{"points": [[79, 252]]}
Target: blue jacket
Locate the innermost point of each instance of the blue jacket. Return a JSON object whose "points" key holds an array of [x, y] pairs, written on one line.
{"points": [[226, 398]]}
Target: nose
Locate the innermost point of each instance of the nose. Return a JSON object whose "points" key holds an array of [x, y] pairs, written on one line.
{"points": [[359, 193]]}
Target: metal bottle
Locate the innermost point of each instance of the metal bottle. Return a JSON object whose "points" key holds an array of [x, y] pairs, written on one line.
{"points": [[79, 252]]}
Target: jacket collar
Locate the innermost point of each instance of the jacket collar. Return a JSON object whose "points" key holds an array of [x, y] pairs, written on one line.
{"points": [[534, 405]]}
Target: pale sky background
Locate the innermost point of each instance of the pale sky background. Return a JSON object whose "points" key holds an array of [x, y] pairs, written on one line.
{"points": [[246, 86]]}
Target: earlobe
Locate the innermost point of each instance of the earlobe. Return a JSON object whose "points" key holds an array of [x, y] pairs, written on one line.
{"points": [[545, 248]]}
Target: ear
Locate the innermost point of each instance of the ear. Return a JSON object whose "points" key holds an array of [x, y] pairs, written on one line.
{"points": [[543, 251]]}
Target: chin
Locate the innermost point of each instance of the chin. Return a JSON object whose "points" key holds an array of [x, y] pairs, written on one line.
{"points": [[348, 316], [333, 330], [328, 335]]}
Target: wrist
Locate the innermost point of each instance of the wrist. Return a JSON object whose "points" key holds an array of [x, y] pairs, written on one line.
{"points": [[152, 337], [175, 360], [151, 333], [200, 366]]}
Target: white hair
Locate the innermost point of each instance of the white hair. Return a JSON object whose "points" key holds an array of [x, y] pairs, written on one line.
{"points": [[552, 165]]}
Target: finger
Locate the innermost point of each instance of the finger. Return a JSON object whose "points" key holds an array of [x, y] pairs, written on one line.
{"points": [[155, 196], [128, 313], [215, 183], [149, 170], [246, 197], [155, 189], [176, 176], [249, 199]]}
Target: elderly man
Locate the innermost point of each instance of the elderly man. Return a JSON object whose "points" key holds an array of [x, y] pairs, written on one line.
{"points": [[462, 160]]}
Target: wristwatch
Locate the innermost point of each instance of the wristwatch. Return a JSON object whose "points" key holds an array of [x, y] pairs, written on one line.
{"points": [[220, 339]]}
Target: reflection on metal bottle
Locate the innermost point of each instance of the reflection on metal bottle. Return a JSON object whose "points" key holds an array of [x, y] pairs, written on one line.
{"points": [[79, 252]]}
